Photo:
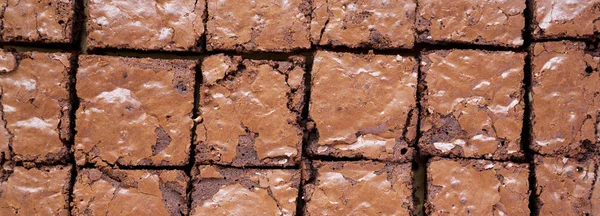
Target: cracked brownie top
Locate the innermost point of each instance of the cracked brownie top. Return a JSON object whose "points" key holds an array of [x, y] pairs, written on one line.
{"points": [[46, 21], [561, 18]]}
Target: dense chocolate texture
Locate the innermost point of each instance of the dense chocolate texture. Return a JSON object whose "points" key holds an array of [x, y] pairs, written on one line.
{"points": [[35, 191], [45, 21], [477, 187], [134, 111], [364, 106], [565, 19], [266, 25], [363, 23], [35, 106], [231, 191], [130, 192], [171, 25], [566, 100], [250, 112], [472, 103], [359, 188], [565, 186], [482, 22]]}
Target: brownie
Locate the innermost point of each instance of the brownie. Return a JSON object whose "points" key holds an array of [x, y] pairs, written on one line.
{"points": [[134, 111], [472, 103], [565, 186], [476, 187], [130, 192], [250, 112], [364, 106], [36, 191], [35, 106], [169, 25], [232, 191], [566, 99], [266, 25], [565, 19], [40, 21], [481, 22], [359, 188], [363, 23]]}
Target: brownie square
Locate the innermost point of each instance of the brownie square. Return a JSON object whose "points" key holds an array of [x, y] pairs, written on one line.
{"points": [[130, 192], [43, 21], [364, 106], [364, 23], [565, 19], [35, 191], [35, 105], [250, 112], [477, 187], [169, 25], [565, 186], [232, 191], [499, 23], [472, 103], [134, 111], [359, 188], [566, 100], [266, 25]]}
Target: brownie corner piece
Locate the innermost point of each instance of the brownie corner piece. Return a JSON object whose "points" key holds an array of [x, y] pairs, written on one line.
{"points": [[34, 21], [565, 19]]}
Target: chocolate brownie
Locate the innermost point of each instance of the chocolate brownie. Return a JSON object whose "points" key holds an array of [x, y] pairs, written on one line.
{"points": [[134, 111], [45, 21], [565, 186], [483, 22], [250, 112], [472, 103], [35, 191], [359, 188], [130, 192], [266, 25], [363, 23], [565, 19], [566, 98], [477, 187], [232, 191], [170, 25], [35, 106], [364, 106]]}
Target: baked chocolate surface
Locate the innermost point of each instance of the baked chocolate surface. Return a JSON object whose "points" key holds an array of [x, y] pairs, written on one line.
{"points": [[232, 191], [364, 106], [134, 111], [476, 187], [472, 103], [44, 21], [565, 19]]}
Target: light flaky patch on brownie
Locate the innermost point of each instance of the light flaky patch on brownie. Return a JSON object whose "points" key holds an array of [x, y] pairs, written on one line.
{"points": [[364, 23], [364, 105], [250, 111], [48, 21], [130, 192], [359, 188], [134, 111], [472, 103], [231, 191], [566, 19], [477, 187]]}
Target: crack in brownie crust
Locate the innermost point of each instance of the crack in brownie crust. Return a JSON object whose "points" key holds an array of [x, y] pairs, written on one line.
{"points": [[47, 21], [561, 19]]}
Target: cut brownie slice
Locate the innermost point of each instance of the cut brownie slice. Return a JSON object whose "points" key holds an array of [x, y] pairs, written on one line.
{"points": [[170, 25], [35, 105], [498, 23], [364, 23], [134, 111], [35, 191], [566, 99], [231, 191], [45, 21], [477, 187], [250, 112], [472, 103], [267, 25], [565, 19], [359, 188], [130, 192], [364, 106]]}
